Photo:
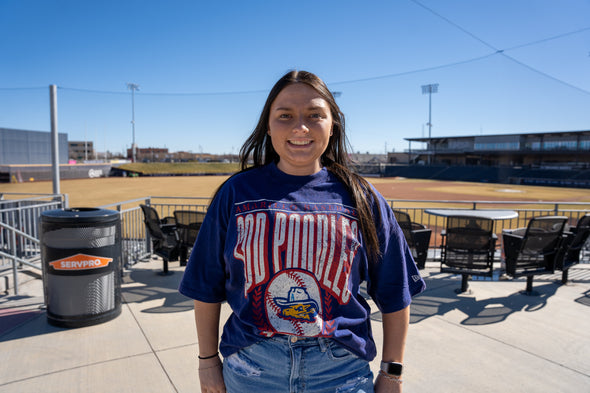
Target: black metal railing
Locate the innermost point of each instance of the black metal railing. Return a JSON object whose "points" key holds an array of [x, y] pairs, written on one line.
{"points": [[19, 230]]}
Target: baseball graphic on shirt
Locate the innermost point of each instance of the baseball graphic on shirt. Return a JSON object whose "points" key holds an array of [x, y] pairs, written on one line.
{"points": [[293, 304]]}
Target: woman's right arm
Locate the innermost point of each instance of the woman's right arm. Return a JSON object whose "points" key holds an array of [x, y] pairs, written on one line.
{"points": [[210, 370]]}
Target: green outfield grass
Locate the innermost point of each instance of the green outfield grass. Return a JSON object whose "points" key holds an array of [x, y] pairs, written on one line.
{"points": [[175, 168]]}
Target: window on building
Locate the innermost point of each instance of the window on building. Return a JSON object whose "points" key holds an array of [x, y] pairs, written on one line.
{"points": [[487, 146]]}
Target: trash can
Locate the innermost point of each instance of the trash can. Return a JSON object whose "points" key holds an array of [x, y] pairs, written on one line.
{"points": [[81, 259]]}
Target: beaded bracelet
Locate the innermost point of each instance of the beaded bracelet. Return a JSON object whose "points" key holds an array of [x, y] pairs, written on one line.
{"points": [[208, 357], [394, 379]]}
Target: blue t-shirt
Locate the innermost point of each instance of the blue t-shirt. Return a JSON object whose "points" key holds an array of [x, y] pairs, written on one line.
{"points": [[286, 252]]}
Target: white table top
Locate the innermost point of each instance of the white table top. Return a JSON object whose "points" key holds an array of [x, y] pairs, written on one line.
{"points": [[493, 214]]}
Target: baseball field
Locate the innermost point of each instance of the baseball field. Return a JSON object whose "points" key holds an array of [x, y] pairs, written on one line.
{"points": [[103, 191]]}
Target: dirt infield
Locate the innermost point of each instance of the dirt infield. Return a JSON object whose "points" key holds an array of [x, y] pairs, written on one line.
{"points": [[103, 191], [452, 191]]}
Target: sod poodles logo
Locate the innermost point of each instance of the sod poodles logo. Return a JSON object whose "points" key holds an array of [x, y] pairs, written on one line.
{"points": [[293, 304]]}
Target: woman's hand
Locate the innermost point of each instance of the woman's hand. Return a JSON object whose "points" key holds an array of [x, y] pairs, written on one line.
{"points": [[211, 375], [384, 384]]}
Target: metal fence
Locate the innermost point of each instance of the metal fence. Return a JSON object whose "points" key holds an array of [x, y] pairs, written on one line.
{"points": [[136, 243], [19, 243], [525, 210], [19, 231]]}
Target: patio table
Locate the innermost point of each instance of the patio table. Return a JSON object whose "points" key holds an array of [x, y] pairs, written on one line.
{"points": [[493, 214]]}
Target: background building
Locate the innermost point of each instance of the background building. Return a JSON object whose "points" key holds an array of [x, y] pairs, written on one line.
{"points": [[81, 150], [30, 147], [26, 156], [149, 154]]}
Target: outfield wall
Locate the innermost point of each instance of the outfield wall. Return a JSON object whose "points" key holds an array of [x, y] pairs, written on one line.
{"points": [[571, 178], [25, 173]]}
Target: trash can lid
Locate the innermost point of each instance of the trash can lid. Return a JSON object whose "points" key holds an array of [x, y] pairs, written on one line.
{"points": [[80, 214]]}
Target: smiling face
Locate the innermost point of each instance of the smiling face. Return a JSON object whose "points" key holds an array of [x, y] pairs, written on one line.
{"points": [[299, 126]]}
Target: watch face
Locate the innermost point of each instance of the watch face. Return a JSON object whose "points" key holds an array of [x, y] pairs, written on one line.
{"points": [[392, 368]]}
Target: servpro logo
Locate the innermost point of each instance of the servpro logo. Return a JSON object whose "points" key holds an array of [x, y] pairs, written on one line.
{"points": [[80, 262]]}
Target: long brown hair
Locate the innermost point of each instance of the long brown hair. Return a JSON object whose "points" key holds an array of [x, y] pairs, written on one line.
{"points": [[258, 151]]}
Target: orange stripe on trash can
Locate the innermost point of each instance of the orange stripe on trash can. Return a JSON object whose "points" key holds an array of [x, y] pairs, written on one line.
{"points": [[80, 262]]}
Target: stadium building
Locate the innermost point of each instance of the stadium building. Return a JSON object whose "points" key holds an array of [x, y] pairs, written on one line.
{"points": [[564, 150], [548, 158]]}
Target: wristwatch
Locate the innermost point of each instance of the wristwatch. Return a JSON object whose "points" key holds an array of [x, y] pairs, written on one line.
{"points": [[392, 368]]}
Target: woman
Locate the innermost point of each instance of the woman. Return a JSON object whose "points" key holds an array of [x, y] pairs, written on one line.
{"points": [[287, 242]]}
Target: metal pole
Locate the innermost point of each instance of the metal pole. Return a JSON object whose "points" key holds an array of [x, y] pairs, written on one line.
{"points": [[133, 87], [430, 123], [133, 121], [54, 137], [431, 88]]}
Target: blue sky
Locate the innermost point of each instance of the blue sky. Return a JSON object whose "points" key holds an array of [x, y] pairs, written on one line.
{"points": [[204, 67]]}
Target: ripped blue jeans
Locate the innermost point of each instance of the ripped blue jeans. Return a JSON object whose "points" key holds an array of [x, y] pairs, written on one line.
{"points": [[294, 365]]}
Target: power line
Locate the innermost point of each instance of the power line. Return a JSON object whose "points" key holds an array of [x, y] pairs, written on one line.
{"points": [[349, 81], [495, 52], [455, 25], [546, 75], [92, 91], [416, 70], [221, 93], [555, 37], [520, 63], [22, 88]]}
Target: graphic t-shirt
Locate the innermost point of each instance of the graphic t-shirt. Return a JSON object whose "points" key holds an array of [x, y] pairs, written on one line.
{"points": [[286, 252]]}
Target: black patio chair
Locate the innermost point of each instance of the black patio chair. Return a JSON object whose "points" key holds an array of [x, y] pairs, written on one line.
{"points": [[468, 247], [164, 238], [417, 236], [188, 223], [573, 242], [532, 251]]}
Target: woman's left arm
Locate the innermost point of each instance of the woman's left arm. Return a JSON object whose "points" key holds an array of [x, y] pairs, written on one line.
{"points": [[395, 331]]}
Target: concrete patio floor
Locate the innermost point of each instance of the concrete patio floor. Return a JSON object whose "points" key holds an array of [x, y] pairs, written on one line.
{"points": [[494, 339]]}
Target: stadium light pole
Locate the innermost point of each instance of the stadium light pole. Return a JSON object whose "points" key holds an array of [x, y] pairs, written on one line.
{"points": [[133, 87], [429, 89]]}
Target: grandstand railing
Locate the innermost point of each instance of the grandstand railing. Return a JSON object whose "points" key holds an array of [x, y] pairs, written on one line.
{"points": [[136, 244]]}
